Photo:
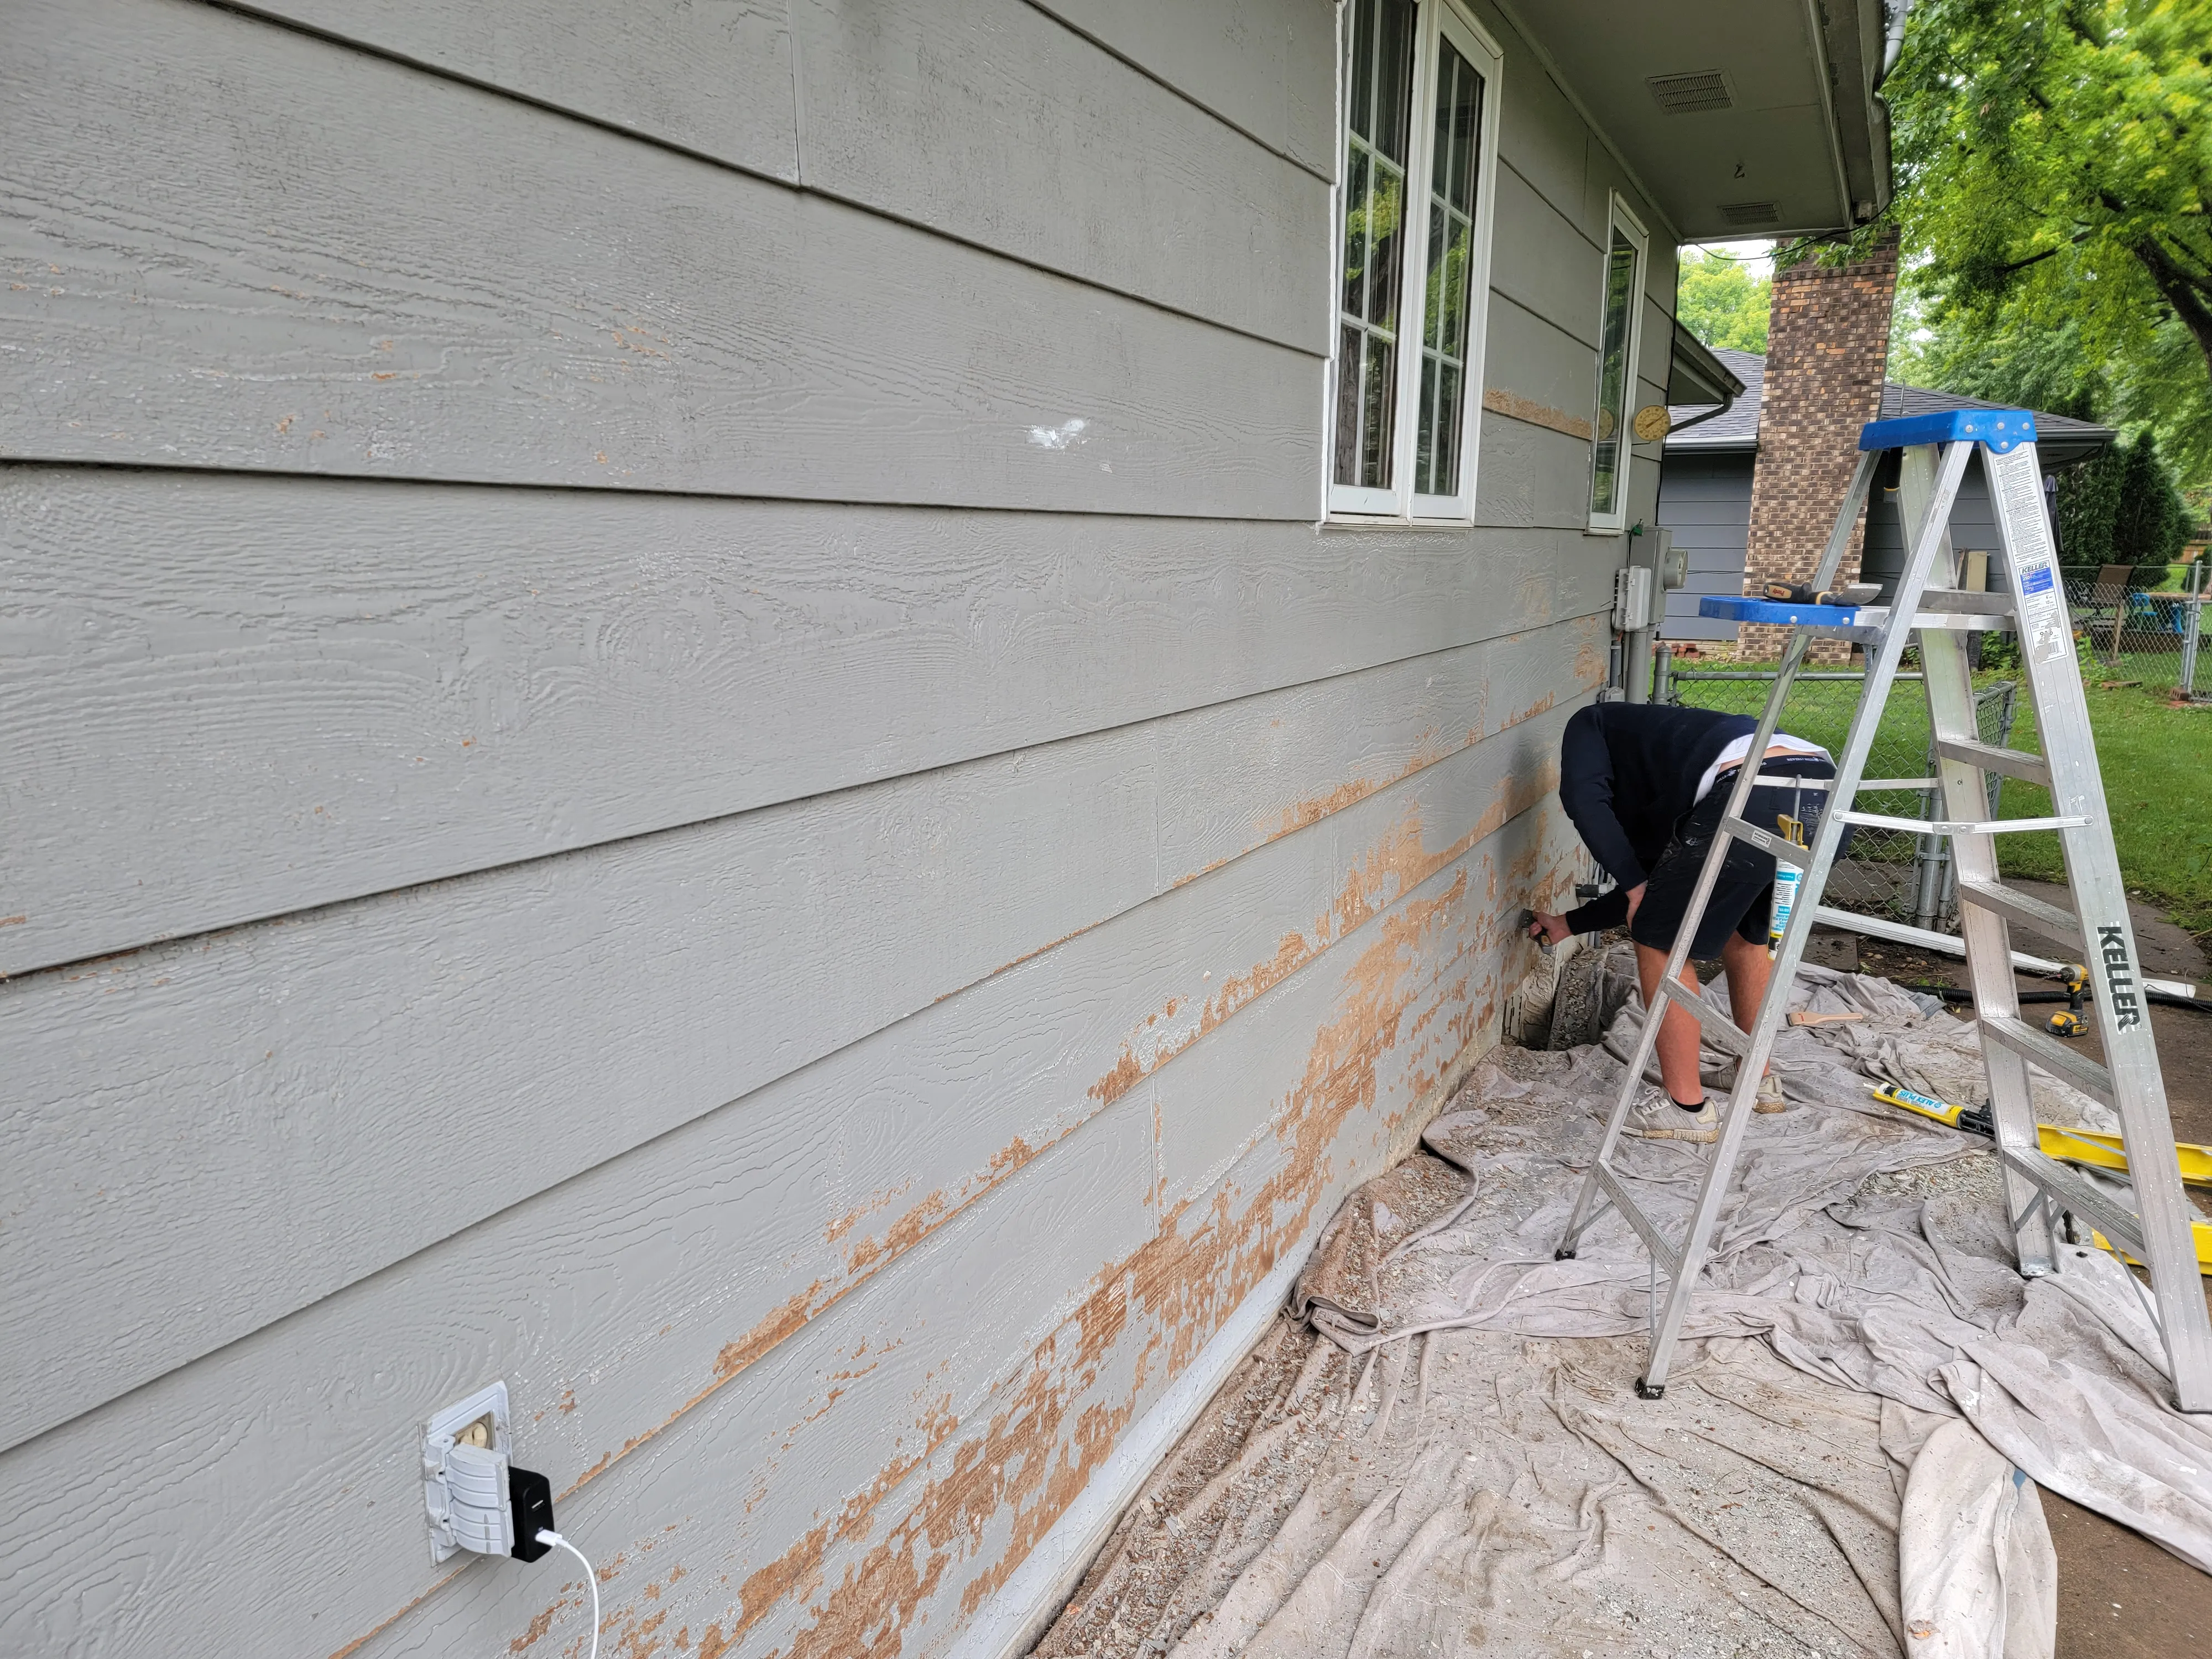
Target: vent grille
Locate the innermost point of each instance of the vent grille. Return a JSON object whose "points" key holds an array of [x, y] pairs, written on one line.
{"points": [[1692, 94], [1750, 213]]}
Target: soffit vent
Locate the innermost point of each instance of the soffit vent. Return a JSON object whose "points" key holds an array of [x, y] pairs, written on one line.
{"points": [[1750, 213], [1692, 94]]}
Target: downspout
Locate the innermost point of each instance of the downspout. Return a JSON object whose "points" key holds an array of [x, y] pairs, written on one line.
{"points": [[1727, 403], [1893, 38]]}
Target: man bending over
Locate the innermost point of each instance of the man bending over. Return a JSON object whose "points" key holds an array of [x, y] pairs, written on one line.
{"points": [[1646, 784]]}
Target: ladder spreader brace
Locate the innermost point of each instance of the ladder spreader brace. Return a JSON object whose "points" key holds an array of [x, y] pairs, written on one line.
{"points": [[1928, 605]]}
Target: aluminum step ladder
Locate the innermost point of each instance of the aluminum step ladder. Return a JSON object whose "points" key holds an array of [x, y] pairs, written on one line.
{"points": [[1930, 606]]}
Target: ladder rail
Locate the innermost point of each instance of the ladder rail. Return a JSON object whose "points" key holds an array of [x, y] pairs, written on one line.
{"points": [[1927, 606], [1586, 1206], [1882, 665], [1948, 684], [2100, 898]]}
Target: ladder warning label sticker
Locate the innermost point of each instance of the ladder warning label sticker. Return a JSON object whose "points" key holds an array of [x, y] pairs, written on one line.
{"points": [[2119, 977], [2046, 633]]}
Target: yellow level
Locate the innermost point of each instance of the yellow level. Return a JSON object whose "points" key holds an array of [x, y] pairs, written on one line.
{"points": [[2202, 1231], [2090, 1146], [2104, 1152]]}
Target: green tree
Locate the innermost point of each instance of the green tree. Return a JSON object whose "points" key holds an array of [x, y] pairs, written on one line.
{"points": [[1721, 302], [2088, 513], [2148, 524], [2055, 177]]}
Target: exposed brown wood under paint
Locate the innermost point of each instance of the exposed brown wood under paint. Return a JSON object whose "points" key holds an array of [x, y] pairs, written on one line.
{"points": [[1395, 866], [1499, 401], [1039, 1448], [1405, 1016], [679, 928], [1411, 997]]}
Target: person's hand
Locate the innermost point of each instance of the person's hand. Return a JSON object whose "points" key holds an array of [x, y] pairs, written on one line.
{"points": [[1551, 929], [1635, 898]]}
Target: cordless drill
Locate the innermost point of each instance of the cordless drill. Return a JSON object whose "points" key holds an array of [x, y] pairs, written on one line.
{"points": [[1855, 593]]}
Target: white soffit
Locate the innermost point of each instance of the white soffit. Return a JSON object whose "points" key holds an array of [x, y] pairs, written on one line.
{"points": [[1716, 104]]}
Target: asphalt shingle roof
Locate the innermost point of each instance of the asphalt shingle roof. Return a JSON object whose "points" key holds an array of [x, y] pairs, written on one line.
{"points": [[2060, 439]]}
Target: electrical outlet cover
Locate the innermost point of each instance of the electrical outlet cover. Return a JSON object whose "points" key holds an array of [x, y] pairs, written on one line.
{"points": [[439, 1438]]}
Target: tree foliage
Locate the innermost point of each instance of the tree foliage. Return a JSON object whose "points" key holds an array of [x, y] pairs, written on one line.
{"points": [[2122, 508], [2055, 199], [1721, 302]]}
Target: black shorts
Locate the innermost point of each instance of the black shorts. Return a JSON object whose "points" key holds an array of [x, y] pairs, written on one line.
{"points": [[1743, 895]]}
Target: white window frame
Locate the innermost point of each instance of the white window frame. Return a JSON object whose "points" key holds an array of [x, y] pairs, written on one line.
{"points": [[1433, 19], [1620, 217]]}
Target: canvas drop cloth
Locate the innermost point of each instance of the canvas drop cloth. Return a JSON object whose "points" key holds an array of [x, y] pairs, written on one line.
{"points": [[1847, 1456]]}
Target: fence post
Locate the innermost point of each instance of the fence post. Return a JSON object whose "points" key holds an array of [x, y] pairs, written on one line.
{"points": [[1930, 856], [1663, 676], [2191, 629], [2007, 712]]}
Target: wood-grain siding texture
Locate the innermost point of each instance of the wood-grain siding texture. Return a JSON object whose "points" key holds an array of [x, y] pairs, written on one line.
{"points": [[681, 735], [566, 1010], [342, 265], [231, 696], [678, 1329], [1117, 178]]}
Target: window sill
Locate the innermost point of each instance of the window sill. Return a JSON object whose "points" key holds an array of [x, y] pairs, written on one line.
{"points": [[1420, 527]]}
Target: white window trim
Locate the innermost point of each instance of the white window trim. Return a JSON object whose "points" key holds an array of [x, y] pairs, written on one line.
{"points": [[1622, 217], [1400, 505]]}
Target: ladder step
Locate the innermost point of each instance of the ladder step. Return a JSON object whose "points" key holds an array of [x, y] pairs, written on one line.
{"points": [[1768, 843], [1661, 1252], [2070, 1190], [1723, 1032], [2016, 905], [1962, 826], [2052, 1056], [1897, 783], [2013, 762], [1962, 602]]}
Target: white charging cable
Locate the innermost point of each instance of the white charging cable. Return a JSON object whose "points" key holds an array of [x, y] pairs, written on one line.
{"points": [[547, 1535]]}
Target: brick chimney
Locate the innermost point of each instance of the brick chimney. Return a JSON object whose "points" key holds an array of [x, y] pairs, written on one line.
{"points": [[1828, 344]]}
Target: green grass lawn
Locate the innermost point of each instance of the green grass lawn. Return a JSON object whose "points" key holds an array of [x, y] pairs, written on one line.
{"points": [[2157, 764], [2156, 760]]}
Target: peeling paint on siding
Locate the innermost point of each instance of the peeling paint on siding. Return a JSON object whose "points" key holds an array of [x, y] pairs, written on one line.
{"points": [[1019, 1471], [1499, 401]]}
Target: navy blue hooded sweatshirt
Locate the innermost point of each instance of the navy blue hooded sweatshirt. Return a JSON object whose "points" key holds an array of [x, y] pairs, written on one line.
{"points": [[1628, 774]]}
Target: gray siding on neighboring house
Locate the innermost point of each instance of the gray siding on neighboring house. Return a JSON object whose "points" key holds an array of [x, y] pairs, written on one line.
{"points": [[678, 733], [1705, 494], [1705, 500], [1973, 525]]}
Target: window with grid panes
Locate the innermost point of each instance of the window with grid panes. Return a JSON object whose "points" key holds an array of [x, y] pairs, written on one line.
{"points": [[1420, 96], [1616, 370]]}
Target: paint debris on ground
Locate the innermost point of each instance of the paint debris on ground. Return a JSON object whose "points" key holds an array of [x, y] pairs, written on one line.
{"points": [[1439, 1450]]}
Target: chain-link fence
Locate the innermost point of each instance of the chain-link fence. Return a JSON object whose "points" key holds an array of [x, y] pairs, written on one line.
{"points": [[1885, 872], [2137, 634]]}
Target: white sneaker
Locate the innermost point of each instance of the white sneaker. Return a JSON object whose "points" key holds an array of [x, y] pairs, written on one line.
{"points": [[1769, 1098], [1654, 1117]]}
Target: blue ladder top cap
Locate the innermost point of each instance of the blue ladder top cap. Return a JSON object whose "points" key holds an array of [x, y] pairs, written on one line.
{"points": [[1728, 608], [2002, 429]]}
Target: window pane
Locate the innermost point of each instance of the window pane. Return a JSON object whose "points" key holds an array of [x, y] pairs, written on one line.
{"points": [[1378, 405], [1424, 438], [1379, 119], [1381, 101], [1347, 405], [1355, 234], [1450, 425], [1613, 377], [1451, 246]]}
